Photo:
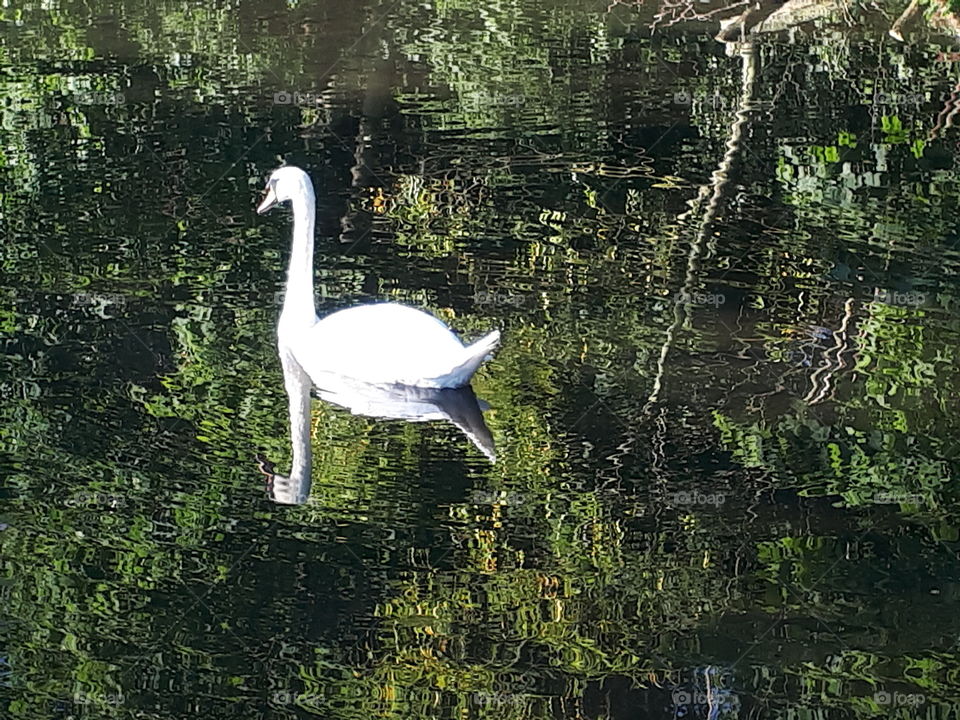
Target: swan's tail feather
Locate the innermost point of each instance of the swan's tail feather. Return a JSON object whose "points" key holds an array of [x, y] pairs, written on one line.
{"points": [[473, 355]]}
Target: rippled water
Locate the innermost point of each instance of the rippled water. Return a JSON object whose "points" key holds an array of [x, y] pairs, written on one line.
{"points": [[724, 408]]}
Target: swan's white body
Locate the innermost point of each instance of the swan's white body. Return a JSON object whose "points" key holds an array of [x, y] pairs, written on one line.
{"points": [[380, 343], [386, 344]]}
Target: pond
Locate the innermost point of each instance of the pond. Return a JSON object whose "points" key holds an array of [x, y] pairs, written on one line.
{"points": [[724, 408]]}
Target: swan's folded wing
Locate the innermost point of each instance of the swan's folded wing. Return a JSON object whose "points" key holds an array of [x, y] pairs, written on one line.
{"points": [[382, 344]]}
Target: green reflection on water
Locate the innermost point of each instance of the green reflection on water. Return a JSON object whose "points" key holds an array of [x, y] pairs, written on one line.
{"points": [[724, 408]]}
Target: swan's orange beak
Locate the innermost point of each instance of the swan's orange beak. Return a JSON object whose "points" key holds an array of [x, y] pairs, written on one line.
{"points": [[268, 202]]}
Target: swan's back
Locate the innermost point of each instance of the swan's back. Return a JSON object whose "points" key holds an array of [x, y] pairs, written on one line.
{"points": [[388, 319], [380, 343]]}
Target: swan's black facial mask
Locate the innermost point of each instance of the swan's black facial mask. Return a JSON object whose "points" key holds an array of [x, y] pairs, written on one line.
{"points": [[269, 201]]}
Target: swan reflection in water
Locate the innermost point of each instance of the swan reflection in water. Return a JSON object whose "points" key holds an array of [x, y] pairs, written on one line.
{"points": [[458, 406]]}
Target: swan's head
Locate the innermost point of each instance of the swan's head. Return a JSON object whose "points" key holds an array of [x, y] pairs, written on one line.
{"points": [[285, 184]]}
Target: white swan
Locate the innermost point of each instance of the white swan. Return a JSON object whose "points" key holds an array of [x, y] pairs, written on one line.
{"points": [[378, 343]]}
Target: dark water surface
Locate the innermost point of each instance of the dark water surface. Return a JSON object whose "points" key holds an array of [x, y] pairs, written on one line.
{"points": [[725, 406]]}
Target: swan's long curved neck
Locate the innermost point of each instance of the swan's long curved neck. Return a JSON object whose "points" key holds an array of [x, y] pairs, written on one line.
{"points": [[298, 301]]}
